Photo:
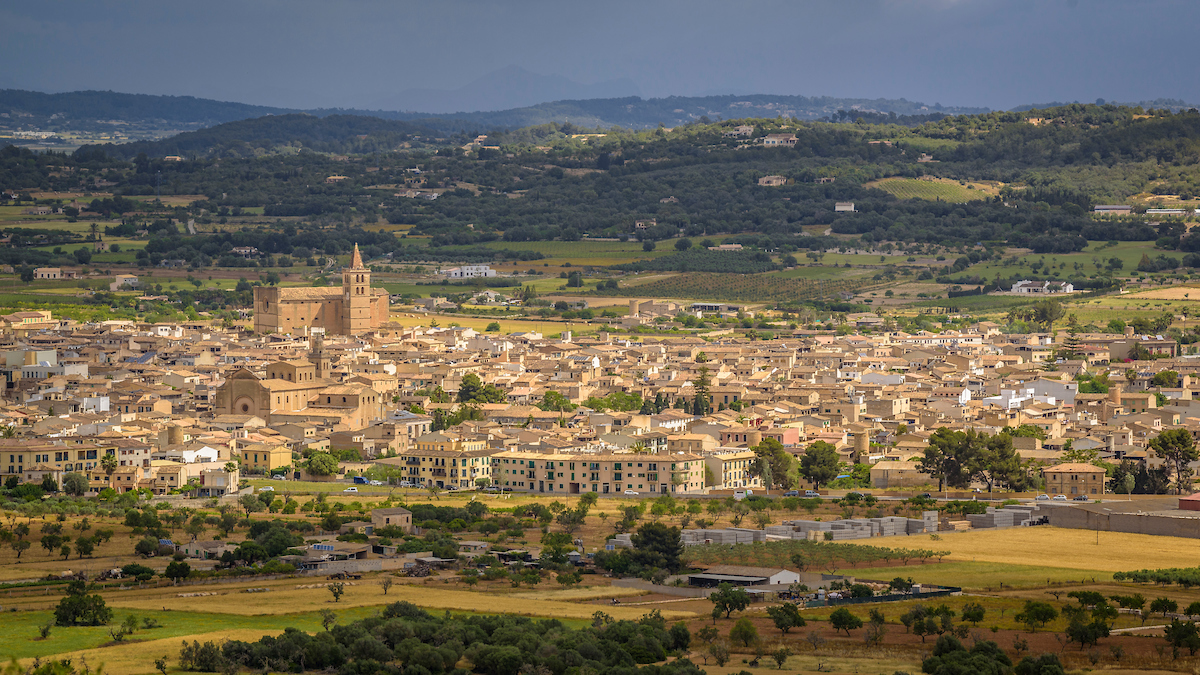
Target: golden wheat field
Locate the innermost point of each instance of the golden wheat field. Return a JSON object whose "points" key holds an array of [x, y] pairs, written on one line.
{"points": [[286, 598], [1056, 547]]}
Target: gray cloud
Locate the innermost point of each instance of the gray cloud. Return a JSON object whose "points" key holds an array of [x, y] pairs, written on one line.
{"points": [[309, 53]]}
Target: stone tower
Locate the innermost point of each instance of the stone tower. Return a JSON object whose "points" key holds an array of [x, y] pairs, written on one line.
{"points": [[318, 356], [356, 296]]}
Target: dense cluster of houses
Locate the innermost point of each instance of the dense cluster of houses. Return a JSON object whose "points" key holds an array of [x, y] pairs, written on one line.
{"points": [[195, 407]]}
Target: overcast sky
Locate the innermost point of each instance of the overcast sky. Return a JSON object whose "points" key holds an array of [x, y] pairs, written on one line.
{"points": [[350, 53]]}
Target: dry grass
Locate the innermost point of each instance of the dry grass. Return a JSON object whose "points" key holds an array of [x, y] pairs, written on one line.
{"points": [[1055, 547], [285, 598], [137, 658], [582, 593], [1170, 293]]}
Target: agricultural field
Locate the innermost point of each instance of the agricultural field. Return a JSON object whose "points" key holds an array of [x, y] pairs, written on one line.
{"points": [[939, 189], [1043, 546], [740, 287], [595, 253]]}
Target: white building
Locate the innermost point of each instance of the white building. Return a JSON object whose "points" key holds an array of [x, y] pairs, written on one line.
{"points": [[1042, 287], [469, 271]]}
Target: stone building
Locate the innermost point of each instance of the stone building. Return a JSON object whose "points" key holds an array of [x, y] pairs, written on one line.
{"points": [[354, 308]]}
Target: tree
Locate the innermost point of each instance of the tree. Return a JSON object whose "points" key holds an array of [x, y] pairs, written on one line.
{"points": [[472, 390], [75, 484], [336, 589], [1047, 312], [1183, 634], [772, 463], [842, 620], [84, 546], [647, 246], [493, 327], [321, 464], [819, 463], [20, 546], [1163, 606], [780, 656], [386, 583], [973, 612], [728, 599], [786, 616], [250, 504], [948, 456], [718, 651], [552, 401], [1036, 614], [683, 244], [949, 657], [702, 402], [744, 632], [1177, 447], [657, 545], [109, 463], [78, 608], [177, 570], [1046, 664]]}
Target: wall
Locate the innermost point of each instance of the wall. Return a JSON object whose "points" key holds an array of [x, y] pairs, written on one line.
{"points": [[1155, 524]]}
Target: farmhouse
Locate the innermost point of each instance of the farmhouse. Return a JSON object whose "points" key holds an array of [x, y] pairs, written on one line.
{"points": [[469, 271], [779, 141], [47, 273], [1113, 209], [1042, 287], [772, 181], [1074, 478], [843, 207]]}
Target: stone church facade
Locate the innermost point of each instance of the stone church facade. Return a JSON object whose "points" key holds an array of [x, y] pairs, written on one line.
{"points": [[354, 308]]}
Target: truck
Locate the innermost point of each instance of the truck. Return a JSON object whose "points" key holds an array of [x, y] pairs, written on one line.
{"points": [[361, 480]]}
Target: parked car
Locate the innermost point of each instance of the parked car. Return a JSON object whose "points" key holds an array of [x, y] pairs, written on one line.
{"points": [[266, 489], [506, 489], [792, 493], [1059, 498], [279, 476], [631, 492], [376, 482], [1042, 498], [812, 493], [351, 489], [406, 484], [491, 488], [1083, 498]]}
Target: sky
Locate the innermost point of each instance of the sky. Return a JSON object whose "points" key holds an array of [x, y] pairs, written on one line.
{"points": [[361, 53]]}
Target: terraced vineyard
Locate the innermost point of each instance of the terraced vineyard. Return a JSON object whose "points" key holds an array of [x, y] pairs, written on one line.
{"points": [[911, 188], [739, 287]]}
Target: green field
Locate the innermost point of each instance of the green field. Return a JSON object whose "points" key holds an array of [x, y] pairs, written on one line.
{"points": [[911, 188], [595, 253]]}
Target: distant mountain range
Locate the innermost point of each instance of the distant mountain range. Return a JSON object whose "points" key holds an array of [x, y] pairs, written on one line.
{"points": [[82, 109], [598, 105]]}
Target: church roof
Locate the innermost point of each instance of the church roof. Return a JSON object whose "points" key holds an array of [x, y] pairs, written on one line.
{"points": [[356, 262]]}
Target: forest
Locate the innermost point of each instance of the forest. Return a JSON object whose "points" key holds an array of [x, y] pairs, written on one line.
{"points": [[554, 182]]}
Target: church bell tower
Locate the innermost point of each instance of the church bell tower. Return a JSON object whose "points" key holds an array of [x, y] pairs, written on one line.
{"points": [[356, 296]]}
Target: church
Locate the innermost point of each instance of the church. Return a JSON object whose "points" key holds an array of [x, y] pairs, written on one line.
{"points": [[301, 390], [354, 308]]}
